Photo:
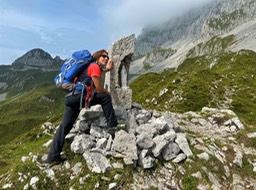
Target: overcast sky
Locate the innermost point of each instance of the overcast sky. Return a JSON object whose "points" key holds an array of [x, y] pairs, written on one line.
{"points": [[62, 26]]}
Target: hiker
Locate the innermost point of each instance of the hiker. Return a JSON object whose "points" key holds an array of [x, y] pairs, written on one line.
{"points": [[100, 65]]}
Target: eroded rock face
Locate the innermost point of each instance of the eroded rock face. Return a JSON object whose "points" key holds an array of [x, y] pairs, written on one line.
{"points": [[116, 81]]}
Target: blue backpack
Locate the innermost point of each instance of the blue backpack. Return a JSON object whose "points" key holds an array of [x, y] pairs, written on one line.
{"points": [[71, 68]]}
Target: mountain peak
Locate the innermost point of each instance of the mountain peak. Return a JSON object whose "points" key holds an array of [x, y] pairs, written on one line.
{"points": [[36, 59], [38, 50]]}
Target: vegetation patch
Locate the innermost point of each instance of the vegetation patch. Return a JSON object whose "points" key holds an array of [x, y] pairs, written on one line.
{"points": [[30, 107], [225, 20], [194, 85], [214, 46]]}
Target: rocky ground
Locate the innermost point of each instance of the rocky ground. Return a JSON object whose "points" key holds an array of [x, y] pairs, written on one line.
{"points": [[166, 150]]}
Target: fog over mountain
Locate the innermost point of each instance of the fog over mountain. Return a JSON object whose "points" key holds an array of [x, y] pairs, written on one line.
{"points": [[197, 26]]}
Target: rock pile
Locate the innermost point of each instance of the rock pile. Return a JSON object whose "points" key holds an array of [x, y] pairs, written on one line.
{"points": [[149, 136], [152, 137]]}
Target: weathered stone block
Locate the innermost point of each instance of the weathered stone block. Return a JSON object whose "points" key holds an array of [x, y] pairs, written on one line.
{"points": [[116, 81]]}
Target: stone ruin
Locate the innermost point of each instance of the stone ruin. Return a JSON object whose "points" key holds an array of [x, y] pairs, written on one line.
{"points": [[116, 81]]}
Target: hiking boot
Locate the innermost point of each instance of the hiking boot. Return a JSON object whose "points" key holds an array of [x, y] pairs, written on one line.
{"points": [[56, 162], [120, 126]]}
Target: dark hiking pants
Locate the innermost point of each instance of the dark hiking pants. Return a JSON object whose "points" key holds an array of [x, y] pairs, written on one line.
{"points": [[70, 115]]}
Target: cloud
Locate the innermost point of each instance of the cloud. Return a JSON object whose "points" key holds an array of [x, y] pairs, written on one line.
{"points": [[62, 26], [132, 15], [58, 32]]}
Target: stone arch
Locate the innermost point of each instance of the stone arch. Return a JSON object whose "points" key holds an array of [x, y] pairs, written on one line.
{"points": [[124, 71]]}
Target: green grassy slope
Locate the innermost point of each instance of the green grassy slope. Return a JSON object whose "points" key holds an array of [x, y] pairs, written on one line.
{"points": [[198, 82], [225, 81], [32, 100]]}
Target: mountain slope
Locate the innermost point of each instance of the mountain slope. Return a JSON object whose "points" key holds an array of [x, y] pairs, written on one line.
{"points": [[37, 101], [27, 93], [224, 81], [219, 18], [37, 59]]}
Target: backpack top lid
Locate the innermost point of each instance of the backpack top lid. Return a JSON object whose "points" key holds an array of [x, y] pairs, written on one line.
{"points": [[82, 55]]}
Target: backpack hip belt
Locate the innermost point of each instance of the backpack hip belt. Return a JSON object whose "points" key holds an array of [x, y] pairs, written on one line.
{"points": [[75, 92]]}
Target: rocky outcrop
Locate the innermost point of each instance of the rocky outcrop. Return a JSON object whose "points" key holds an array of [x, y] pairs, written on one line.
{"points": [[157, 56], [213, 19], [194, 30]]}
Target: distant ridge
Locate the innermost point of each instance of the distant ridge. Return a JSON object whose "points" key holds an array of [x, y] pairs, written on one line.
{"points": [[37, 59]]}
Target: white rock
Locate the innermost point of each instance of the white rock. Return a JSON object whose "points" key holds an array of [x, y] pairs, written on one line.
{"points": [[181, 140], [67, 165], [25, 187], [24, 158], [7, 186], [50, 173], [82, 180], [233, 128], [254, 167], [33, 182], [197, 175], [237, 122], [118, 165], [204, 156], [251, 135], [112, 185]]}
